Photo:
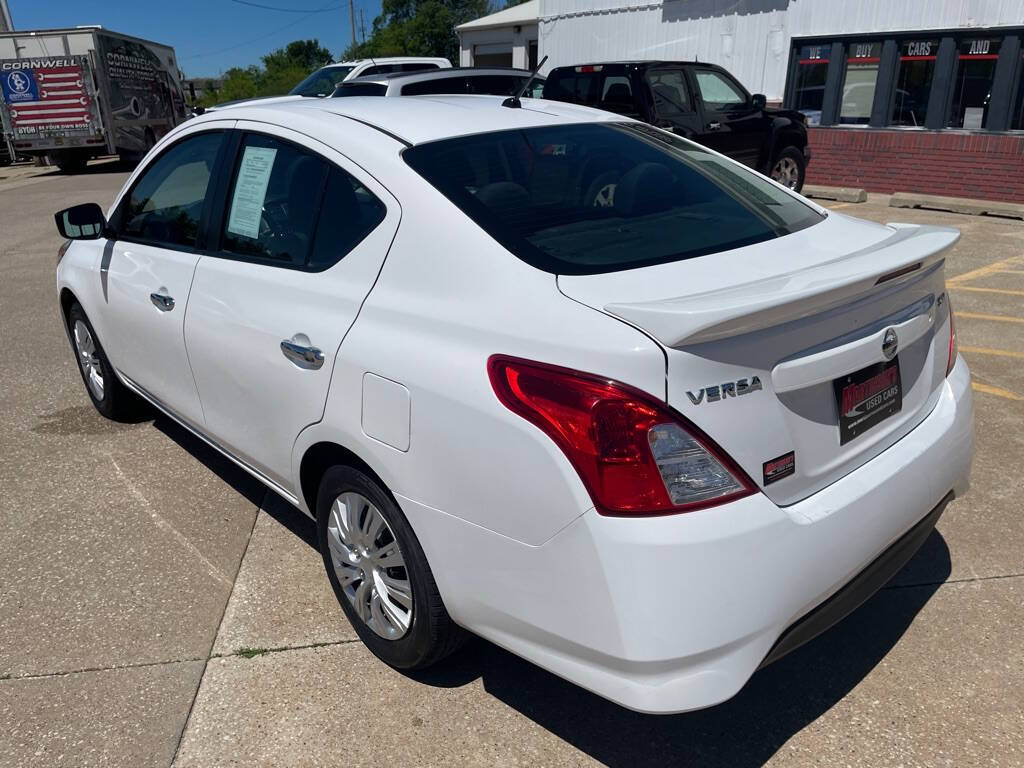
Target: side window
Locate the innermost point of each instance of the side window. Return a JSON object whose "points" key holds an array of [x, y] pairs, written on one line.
{"points": [[439, 85], [380, 69], [166, 202], [718, 92], [272, 204], [671, 96], [348, 214], [416, 66], [617, 95]]}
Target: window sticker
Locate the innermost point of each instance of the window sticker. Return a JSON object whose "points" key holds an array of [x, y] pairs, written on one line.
{"points": [[251, 191]]}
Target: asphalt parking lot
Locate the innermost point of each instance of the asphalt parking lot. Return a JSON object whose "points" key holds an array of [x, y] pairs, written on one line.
{"points": [[159, 607]]}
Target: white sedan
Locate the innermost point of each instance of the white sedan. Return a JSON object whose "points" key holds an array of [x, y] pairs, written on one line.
{"points": [[542, 374]]}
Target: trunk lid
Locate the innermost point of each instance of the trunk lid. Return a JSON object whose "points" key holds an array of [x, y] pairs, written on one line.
{"points": [[756, 337]]}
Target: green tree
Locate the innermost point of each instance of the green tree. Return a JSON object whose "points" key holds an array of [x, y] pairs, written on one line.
{"points": [[282, 70], [418, 28]]}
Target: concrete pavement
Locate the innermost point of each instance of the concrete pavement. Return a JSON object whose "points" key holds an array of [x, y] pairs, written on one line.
{"points": [[157, 606]]}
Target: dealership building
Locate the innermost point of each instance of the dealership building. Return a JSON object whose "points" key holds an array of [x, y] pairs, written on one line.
{"points": [[915, 95]]}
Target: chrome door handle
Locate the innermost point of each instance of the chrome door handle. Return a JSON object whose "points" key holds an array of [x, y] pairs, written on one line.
{"points": [[714, 125], [304, 357], [162, 302]]}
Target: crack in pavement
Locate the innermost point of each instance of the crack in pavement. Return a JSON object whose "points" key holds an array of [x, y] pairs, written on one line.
{"points": [[328, 643]]}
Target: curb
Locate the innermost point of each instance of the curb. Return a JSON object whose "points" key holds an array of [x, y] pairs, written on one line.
{"points": [[842, 194], [957, 205]]}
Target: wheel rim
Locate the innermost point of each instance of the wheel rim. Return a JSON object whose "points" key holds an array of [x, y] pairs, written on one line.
{"points": [[369, 565], [786, 172], [89, 359]]}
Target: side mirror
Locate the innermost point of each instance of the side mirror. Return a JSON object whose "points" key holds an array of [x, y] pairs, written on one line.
{"points": [[81, 222], [758, 101]]}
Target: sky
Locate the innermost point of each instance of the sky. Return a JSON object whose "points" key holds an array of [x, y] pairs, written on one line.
{"points": [[209, 36]]}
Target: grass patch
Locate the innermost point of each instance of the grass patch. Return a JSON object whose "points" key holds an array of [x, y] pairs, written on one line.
{"points": [[249, 653]]}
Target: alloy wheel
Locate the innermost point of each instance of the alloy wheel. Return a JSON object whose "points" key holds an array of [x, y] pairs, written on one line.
{"points": [[786, 172], [369, 565], [89, 359]]}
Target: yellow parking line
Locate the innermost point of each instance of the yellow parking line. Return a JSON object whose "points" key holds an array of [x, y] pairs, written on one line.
{"points": [[988, 389], [1010, 271], [1002, 291], [991, 351], [995, 266], [996, 318]]}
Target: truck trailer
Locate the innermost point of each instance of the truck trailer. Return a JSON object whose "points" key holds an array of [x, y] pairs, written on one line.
{"points": [[74, 94]]}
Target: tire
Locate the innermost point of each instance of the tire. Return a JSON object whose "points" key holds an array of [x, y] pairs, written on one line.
{"points": [[789, 167], [405, 639], [109, 396]]}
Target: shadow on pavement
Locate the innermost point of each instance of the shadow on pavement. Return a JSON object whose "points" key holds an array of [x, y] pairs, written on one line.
{"points": [[747, 730]]}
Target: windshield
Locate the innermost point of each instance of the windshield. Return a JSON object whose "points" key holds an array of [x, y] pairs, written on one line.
{"points": [[603, 197], [322, 82]]}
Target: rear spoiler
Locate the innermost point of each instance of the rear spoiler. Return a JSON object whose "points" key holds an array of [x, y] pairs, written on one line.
{"points": [[701, 317]]}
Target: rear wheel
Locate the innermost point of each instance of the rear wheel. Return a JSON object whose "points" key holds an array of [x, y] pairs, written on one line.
{"points": [[380, 574], [110, 397], [789, 167]]}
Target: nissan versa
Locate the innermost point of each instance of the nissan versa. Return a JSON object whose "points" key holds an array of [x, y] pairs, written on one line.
{"points": [[650, 442]]}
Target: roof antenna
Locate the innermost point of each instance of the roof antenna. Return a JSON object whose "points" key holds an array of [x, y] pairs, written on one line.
{"points": [[513, 102]]}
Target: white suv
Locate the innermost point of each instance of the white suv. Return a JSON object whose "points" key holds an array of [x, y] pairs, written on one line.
{"points": [[650, 438]]}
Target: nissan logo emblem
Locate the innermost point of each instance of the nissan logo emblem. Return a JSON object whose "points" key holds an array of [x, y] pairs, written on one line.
{"points": [[890, 344]]}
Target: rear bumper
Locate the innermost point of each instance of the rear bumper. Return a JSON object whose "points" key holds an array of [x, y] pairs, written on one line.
{"points": [[676, 613], [857, 591]]}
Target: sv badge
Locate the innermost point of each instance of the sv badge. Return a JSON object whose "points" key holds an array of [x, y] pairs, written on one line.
{"points": [[717, 392]]}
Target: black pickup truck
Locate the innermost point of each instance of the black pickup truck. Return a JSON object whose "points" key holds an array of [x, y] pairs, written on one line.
{"points": [[698, 101]]}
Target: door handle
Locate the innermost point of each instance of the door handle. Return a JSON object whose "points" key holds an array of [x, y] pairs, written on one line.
{"points": [[714, 125], [304, 357], [162, 301]]}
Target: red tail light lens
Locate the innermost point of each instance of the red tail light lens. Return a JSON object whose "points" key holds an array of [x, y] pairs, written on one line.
{"points": [[951, 360], [634, 455]]}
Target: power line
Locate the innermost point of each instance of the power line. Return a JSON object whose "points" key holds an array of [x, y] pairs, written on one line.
{"points": [[276, 31], [288, 10]]}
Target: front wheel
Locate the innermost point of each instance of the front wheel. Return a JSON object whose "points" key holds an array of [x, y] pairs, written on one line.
{"points": [[788, 168], [110, 397], [380, 574]]}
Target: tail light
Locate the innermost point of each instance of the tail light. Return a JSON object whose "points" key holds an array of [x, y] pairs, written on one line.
{"points": [[62, 250], [951, 360], [634, 455]]}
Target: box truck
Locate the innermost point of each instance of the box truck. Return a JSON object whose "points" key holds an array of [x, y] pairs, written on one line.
{"points": [[73, 94]]}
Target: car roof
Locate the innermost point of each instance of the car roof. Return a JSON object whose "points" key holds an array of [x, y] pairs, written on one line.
{"points": [[636, 63], [418, 119], [386, 60], [432, 74]]}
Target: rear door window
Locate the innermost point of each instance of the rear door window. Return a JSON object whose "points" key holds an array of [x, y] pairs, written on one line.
{"points": [[670, 93], [348, 214], [273, 201], [602, 197]]}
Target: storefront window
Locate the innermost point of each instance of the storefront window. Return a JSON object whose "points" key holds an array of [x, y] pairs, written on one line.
{"points": [[914, 81], [973, 83], [1017, 122], [809, 88], [859, 83]]}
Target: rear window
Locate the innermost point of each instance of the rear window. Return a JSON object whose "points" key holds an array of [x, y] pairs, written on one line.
{"points": [[593, 198]]}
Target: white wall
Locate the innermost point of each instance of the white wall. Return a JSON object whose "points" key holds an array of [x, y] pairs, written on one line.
{"points": [[751, 38]]}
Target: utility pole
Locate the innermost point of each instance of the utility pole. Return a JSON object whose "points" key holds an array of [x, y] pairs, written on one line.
{"points": [[6, 25], [362, 25], [351, 19]]}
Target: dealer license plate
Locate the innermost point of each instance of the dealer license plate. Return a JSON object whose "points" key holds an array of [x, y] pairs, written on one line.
{"points": [[867, 397]]}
